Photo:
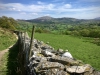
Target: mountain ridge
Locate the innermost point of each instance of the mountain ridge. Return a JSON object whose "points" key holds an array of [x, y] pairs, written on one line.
{"points": [[63, 20], [98, 18], [49, 18]]}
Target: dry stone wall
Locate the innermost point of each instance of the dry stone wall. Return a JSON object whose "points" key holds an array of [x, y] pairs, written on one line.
{"points": [[42, 59]]}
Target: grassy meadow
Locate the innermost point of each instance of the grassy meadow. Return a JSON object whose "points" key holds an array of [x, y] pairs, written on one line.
{"points": [[8, 61], [80, 48], [6, 38]]}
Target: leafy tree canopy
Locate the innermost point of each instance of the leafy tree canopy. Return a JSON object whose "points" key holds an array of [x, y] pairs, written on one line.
{"points": [[8, 23]]}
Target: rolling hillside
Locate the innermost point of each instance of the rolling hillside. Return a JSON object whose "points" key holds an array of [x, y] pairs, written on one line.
{"points": [[6, 38], [65, 20], [63, 25]]}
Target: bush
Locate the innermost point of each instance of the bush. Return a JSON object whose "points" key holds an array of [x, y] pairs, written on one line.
{"points": [[84, 32], [95, 33], [76, 33], [46, 31], [8, 23], [39, 30]]}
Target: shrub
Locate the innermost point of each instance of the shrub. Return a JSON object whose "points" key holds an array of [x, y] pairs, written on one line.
{"points": [[8, 23], [85, 32]]}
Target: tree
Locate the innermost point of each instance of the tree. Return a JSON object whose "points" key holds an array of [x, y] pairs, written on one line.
{"points": [[8, 23], [85, 32], [95, 33], [39, 30]]}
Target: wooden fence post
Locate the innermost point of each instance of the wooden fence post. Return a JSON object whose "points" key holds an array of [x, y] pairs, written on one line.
{"points": [[31, 41]]}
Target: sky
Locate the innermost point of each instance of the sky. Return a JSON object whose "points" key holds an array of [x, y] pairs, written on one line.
{"points": [[30, 9]]}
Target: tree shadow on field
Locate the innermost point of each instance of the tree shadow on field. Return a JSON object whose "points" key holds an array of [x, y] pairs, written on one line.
{"points": [[12, 63]]}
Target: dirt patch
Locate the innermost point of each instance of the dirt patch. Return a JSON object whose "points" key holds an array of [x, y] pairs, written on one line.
{"points": [[3, 52]]}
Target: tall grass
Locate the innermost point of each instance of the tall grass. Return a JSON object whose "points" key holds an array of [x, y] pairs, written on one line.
{"points": [[6, 38], [3, 65], [80, 48], [9, 62]]}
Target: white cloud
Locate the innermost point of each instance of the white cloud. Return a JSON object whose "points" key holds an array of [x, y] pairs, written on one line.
{"points": [[34, 13], [39, 2], [12, 6], [48, 9], [50, 6], [13, 9], [67, 6], [21, 7], [36, 8], [23, 13], [47, 15]]}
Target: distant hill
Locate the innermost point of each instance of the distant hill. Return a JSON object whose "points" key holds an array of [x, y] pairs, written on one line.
{"points": [[98, 18], [45, 18], [63, 20], [64, 25]]}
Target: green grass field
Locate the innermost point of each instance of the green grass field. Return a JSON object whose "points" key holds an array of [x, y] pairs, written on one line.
{"points": [[6, 39], [9, 62], [80, 48]]}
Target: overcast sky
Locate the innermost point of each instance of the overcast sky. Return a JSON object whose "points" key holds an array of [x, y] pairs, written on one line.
{"points": [[30, 9]]}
